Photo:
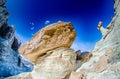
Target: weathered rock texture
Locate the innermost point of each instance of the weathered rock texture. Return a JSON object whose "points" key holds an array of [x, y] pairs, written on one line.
{"points": [[58, 65], [105, 62], [60, 34], [77, 75], [11, 62]]}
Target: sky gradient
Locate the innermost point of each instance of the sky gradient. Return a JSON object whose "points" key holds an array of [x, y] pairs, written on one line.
{"points": [[29, 16]]}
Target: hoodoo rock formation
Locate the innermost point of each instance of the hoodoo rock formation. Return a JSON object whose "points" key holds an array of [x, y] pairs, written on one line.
{"points": [[50, 51]]}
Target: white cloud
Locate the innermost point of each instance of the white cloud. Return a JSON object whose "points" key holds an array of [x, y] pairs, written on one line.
{"points": [[32, 28], [83, 46], [47, 22]]}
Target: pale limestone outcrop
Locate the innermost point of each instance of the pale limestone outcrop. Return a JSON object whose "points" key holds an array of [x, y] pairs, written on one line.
{"points": [[60, 34], [104, 64], [58, 65], [101, 65]]}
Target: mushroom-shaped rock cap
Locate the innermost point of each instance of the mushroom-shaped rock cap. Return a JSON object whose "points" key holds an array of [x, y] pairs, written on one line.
{"points": [[60, 34]]}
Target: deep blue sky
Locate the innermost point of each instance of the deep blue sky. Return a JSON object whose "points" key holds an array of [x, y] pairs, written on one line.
{"points": [[29, 16]]}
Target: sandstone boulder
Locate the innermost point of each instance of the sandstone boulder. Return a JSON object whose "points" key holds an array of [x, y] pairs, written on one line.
{"points": [[60, 34]]}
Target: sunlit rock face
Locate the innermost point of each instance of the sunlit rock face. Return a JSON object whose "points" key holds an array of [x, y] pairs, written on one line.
{"points": [[60, 34], [11, 62]]}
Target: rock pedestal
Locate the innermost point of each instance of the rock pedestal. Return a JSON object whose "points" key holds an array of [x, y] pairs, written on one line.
{"points": [[58, 65]]}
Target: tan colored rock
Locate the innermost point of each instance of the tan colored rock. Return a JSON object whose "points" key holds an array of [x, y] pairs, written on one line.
{"points": [[103, 61], [59, 65], [86, 57], [77, 75], [60, 34], [83, 56]]}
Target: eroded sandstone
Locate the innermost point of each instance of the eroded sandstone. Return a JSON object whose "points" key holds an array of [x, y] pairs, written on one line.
{"points": [[60, 34]]}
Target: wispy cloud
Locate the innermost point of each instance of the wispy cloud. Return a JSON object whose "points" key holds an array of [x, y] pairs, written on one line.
{"points": [[32, 28], [47, 22], [31, 23]]}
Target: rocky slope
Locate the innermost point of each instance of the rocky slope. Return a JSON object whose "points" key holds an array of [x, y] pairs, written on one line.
{"points": [[59, 62], [11, 62]]}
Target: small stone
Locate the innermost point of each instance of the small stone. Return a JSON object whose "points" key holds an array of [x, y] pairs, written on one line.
{"points": [[78, 54], [83, 56]]}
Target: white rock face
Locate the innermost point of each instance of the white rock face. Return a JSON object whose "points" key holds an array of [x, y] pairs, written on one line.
{"points": [[58, 65], [110, 67]]}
